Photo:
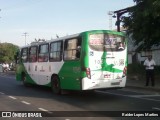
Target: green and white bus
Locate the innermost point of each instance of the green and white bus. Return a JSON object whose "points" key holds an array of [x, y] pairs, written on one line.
{"points": [[89, 60]]}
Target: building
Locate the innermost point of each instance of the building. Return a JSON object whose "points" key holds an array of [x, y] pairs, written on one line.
{"points": [[139, 57]]}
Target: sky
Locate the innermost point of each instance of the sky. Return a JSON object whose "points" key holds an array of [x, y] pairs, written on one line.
{"points": [[44, 19]]}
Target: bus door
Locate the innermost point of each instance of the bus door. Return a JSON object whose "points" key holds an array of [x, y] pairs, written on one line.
{"points": [[43, 64], [72, 66], [32, 65]]}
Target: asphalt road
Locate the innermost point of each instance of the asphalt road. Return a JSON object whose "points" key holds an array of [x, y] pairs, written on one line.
{"points": [[15, 97]]}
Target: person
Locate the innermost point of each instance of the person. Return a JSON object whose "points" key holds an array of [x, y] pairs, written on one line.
{"points": [[121, 47], [1, 68], [5, 67], [78, 52], [149, 63]]}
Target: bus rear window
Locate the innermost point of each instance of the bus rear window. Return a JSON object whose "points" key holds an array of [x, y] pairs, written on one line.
{"points": [[107, 42]]}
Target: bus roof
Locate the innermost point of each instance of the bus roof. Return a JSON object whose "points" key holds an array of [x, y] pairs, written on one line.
{"points": [[71, 36]]}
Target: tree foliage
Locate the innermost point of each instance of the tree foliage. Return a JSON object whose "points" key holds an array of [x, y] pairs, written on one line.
{"points": [[143, 23], [7, 52]]}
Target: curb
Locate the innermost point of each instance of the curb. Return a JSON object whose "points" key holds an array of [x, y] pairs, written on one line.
{"points": [[9, 73], [144, 88]]}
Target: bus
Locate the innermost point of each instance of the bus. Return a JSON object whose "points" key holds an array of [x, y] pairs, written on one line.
{"points": [[90, 60]]}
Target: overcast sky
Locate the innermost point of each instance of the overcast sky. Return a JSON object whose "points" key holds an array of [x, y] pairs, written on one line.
{"points": [[46, 18]]}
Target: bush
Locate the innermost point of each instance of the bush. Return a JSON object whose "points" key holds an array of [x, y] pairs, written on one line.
{"points": [[157, 70], [136, 68], [139, 69]]}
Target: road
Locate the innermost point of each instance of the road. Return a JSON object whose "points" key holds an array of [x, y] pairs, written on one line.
{"points": [[16, 97]]}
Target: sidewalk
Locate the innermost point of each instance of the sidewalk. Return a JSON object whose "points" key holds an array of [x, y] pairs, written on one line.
{"points": [[8, 73], [139, 83]]}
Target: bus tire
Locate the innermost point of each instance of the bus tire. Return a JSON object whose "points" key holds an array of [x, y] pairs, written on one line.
{"points": [[24, 80], [55, 84]]}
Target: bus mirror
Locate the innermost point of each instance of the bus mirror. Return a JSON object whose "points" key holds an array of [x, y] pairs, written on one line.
{"points": [[16, 56]]}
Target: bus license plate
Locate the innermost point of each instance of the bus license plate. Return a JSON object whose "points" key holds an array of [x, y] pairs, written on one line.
{"points": [[115, 83]]}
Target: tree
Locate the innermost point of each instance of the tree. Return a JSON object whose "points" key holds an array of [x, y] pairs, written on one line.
{"points": [[7, 52], [143, 23]]}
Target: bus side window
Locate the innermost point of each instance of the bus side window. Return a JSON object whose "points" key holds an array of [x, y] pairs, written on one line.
{"points": [[43, 53], [56, 51], [72, 49], [24, 55], [33, 54]]}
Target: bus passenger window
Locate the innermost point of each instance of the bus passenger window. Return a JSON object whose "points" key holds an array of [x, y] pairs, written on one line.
{"points": [[43, 53], [56, 51], [24, 55], [72, 49], [33, 54]]}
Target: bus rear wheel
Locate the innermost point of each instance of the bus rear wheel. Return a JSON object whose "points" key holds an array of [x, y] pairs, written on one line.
{"points": [[55, 84]]}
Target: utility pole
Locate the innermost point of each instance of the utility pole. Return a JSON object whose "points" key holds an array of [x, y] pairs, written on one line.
{"points": [[0, 10], [110, 14], [25, 35], [119, 13]]}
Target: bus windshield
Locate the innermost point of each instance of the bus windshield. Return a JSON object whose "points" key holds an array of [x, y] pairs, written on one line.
{"points": [[106, 42]]}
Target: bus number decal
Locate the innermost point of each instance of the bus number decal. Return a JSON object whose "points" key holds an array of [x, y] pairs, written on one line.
{"points": [[29, 69], [121, 62], [49, 68], [96, 42], [91, 53], [36, 68], [107, 76], [42, 69], [76, 69], [98, 62], [115, 63]]}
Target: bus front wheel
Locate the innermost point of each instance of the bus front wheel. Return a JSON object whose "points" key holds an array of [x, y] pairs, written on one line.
{"points": [[55, 84], [24, 80]]}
